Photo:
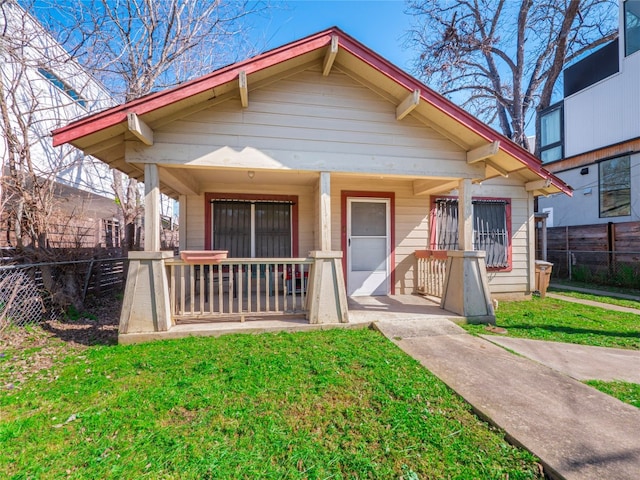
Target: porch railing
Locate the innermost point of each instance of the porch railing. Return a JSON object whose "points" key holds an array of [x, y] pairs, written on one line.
{"points": [[237, 288], [431, 271]]}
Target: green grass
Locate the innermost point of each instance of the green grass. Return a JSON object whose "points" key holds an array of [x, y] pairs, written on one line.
{"points": [[594, 286], [624, 391], [334, 404], [599, 298], [560, 321]]}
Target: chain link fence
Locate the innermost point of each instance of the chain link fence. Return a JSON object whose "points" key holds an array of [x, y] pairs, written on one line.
{"points": [[30, 294], [20, 300], [620, 269]]}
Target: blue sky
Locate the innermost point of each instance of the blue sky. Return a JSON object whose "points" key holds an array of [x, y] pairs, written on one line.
{"points": [[380, 25]]}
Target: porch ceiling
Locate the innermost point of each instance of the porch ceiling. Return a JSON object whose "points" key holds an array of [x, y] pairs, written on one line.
{"points": [[194, 181]]}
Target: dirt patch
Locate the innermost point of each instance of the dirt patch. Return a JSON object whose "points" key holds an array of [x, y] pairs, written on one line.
{"points": [[27, 352]]}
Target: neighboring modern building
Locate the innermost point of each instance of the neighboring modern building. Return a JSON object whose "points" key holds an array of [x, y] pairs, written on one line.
{"points": [[591, 139], [322, 162], [41, 88]]}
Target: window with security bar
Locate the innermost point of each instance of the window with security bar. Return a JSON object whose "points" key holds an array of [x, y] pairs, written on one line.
{"points": [[252, 229], [491, 231]]}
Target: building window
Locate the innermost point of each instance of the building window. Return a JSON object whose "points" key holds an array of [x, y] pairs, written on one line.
{"points": [[631, 26], [250, 229], [550, 133], [491, 229], [615, 187], [64, 86], [111, 233]]}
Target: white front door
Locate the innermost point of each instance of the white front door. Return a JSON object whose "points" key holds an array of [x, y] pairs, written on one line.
{"points": [[368, 246]]}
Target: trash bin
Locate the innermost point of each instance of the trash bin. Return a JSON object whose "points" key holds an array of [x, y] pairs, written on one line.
{"points": [[543, 276]]}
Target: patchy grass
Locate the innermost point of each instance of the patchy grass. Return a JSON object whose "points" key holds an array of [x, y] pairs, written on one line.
{"points": [[624, 391], [334, 404], [593, 286], [621, 302], [559, 321]]}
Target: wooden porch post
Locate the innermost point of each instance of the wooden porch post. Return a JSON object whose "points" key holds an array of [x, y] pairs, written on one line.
{"points": [[324, 205], [151, 208], [465, 215], [466, 286], [146, 307], [182, 219], [327, 296]]}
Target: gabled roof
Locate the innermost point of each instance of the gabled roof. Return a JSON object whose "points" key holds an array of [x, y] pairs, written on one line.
{"points": [[102, 134]]}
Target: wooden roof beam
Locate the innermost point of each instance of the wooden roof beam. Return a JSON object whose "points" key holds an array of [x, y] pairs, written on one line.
{"points": [[497, 168], [330, 56], [429, 187], [484, 152], [408, 104], [178, 181], [244, 90], [141, 130], [537, 185]]}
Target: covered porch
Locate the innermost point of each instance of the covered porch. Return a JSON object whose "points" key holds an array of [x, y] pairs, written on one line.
{"points": [[168, 296]]}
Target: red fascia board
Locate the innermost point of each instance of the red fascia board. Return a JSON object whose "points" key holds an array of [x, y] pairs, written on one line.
{"points": [[154, 101]]}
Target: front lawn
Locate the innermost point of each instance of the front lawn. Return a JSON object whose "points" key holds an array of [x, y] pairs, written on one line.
{"points": [[334, 404], [559, 321]]}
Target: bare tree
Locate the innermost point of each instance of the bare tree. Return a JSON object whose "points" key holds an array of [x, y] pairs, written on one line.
{"points": [[502, 59], [40, 88], [29, 107], [138, 46]]}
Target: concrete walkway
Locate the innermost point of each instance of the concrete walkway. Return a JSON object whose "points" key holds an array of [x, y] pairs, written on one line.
{"points": [[576, 431], [578, 361]]}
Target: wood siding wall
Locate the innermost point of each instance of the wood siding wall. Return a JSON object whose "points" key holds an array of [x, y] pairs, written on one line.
{"points": [[312, 123], [307, 122]]}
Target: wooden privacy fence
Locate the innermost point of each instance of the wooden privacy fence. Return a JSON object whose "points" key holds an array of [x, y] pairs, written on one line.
{"points": [[605, 237], [431, 271], [237, 288]]}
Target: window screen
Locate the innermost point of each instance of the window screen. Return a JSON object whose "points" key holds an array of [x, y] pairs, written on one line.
{"points": [[273, 230], [490, 229], [239, 225]]}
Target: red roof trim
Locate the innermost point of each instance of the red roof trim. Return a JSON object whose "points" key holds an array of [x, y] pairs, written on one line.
{"points": [[116, 115], [149, 103], [449, 108]]}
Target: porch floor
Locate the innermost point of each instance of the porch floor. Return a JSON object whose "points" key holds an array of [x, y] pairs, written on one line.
{"points": [[363, 311]]}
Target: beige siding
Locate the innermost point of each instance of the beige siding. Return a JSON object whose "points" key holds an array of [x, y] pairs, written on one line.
{"points": [[307, 122], [312, 123]]}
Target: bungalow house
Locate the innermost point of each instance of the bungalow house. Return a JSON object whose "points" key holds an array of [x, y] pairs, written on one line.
{"points": [[323, 172]]}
